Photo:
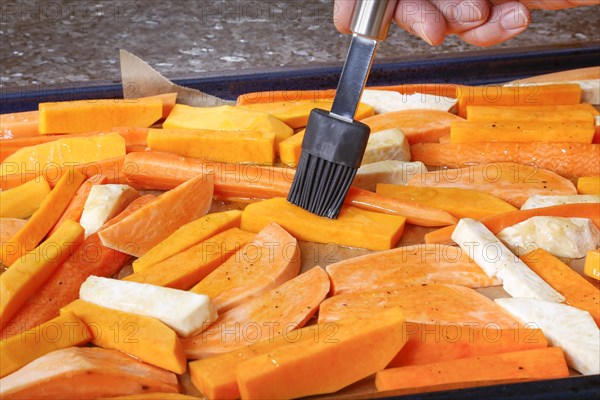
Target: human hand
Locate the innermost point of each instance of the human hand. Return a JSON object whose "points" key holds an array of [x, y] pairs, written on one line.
{"points": [[479, 22]]}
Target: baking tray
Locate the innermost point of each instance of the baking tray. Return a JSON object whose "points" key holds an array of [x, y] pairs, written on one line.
{"points": [[472, 68]]}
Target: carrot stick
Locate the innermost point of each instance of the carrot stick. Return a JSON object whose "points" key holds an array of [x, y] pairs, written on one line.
{"points": [[522, 131], [284, 95], [545, 363], [43, 219], [91, 258], [578, 291], [430, 343], [498, 222], [156, 170], [539, 95], [134, 137], [75, 207], [19, 125], [566, 159], [436, 89]]}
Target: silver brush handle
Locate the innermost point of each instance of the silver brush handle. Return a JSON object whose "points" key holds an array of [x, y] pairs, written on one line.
{"points": [[371, 18], [370, 24]]}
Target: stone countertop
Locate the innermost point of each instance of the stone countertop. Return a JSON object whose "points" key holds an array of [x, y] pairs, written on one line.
{"points": [[72, 41]]}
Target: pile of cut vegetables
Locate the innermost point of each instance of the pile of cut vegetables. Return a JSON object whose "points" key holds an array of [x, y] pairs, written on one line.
{"points": [[148, 250]]}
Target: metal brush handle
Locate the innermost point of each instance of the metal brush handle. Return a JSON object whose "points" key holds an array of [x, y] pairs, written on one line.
{"points": [[372, 18]]}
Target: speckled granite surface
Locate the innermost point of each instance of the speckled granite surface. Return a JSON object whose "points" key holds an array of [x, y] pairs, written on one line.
{"points": [[45, 42]]}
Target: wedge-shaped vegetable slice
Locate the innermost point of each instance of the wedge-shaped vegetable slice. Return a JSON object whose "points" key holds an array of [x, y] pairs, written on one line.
{"points": [[389, 171], [269, 260], [564, 326], [184, 312], [42, 220], [185, 269], [23, 200], [63, 152], [546, 363], [537, 201], [496, 259], [189, 235], [462, 203], [409, 265], [577, 236], [85, 373], [390, 144], [432, 343], [215, 376], [155, 221], [26, 275], [103, 203], [63, 331], [309, 368], [226, 118], [85, 115], [426, 303], [145, 338], [278, 311], [90, 258], [511, 182], [385, 101], [353, 227], [216, 145], [577, 290]]}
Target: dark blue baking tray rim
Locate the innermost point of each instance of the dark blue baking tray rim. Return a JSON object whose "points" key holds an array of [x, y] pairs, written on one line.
{"points": [[576, 388], [472, 68]]}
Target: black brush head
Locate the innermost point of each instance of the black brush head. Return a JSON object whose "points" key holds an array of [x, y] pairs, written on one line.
{"points": [[332, 150]]}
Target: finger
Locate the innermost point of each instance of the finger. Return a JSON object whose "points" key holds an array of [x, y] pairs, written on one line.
{"points": [[423, 19], [506, 20], [558, 4], [463, 15], [342, 14]]}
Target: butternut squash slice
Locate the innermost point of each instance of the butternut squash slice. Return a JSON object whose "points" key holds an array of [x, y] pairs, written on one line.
{"points": [[278, 311], [426, 303]]}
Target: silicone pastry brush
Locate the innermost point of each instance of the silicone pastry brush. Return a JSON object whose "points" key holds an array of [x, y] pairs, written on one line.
{"points": [[334, 143]]}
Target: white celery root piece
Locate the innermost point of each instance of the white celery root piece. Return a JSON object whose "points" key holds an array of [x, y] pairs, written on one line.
{"points": [[563, 237], [384, 101], [103, 203], [497, 260], [571, 329], [389, 171], [540, 201], [184, 312], [390, 144]]}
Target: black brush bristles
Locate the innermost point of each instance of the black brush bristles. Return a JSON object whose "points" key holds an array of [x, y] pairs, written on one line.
{"points": [[321, 186], [331, 154]]}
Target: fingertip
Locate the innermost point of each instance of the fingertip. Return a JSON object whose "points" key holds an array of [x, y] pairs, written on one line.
{"points": [[506, 21], [342, 14]]}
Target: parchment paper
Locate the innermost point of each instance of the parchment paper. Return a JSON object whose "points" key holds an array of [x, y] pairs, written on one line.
{"points": [[140, 79]]}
